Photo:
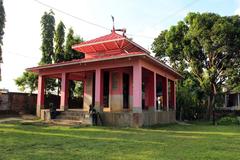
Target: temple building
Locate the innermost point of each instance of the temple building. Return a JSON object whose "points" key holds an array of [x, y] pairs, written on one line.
{"points": [[125, 84]]}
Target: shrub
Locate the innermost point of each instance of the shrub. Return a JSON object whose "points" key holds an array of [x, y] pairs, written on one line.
{"points": [[228, 121]]}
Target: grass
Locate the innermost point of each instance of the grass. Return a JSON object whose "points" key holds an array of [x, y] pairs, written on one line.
{"points": [[168, 142]]}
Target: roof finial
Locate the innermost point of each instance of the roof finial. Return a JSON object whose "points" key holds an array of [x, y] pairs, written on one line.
{"points": [[113, 30]]}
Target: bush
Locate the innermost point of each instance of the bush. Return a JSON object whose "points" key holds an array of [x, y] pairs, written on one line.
{"points": [[228, 121]]}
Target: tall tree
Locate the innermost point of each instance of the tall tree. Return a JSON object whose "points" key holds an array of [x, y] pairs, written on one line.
{"points": [[71, 54], [2, 26], [48, 29], [28, 81], [59, 41], [59, 38], [205, 45]]}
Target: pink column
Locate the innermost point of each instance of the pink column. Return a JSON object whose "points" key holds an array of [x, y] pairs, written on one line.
{"points": [[40, 96], [98, 89], [174, 95], [137, 88], [64, 92], [155, 90]]}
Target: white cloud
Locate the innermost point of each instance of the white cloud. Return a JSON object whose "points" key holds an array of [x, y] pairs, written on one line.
{"points": [[237, 11]]}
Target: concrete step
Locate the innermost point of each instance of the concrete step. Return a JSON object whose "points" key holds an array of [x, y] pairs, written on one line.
{"points": [[79, 116], [66, 122], [72, 113], [74, 117]]}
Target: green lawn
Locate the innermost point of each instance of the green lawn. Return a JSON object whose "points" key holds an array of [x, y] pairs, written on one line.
{"points": [[175, 142]]}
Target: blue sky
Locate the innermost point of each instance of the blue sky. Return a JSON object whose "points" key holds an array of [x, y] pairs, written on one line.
{"points": [[144, 20]]}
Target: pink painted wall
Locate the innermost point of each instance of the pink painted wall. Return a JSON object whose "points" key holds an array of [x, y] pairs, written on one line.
{"points": [[116, 90], [154, 68], [119, 73], [88, 84], [148, 80]]}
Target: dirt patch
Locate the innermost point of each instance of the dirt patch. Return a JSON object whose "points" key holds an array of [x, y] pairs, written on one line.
{"points": [[18, 118], [12, 119]]}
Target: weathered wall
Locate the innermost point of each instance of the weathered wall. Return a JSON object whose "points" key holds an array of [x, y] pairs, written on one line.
{"points": [[161, 117], [116, 103], [18, 102], [4, 102], [129, 119], [116, 119], [116, 88]]}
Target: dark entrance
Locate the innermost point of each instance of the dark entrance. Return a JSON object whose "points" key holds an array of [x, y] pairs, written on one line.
{"points": [[106, 89], [125, 90]]}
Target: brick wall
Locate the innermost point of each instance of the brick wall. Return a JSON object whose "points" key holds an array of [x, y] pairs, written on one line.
{"points": [[18, 102]]}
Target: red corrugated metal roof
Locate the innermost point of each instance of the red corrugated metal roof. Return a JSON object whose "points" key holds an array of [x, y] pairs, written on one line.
{"points": [[104, 48], [111, 36], [107, 43]]}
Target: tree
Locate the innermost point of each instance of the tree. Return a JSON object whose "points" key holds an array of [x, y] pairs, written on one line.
{"points": [[2, 26], [53, 54], [205, 45], [59, 41], [27, 82], [190, 99], [71, 54], [233, 80], [48, 29]]}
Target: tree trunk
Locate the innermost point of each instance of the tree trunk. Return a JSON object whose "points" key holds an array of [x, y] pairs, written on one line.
{"points": [[209, 108], [211, 103]]}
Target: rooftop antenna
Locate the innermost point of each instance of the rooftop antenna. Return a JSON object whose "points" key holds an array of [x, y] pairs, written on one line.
{"points": [[121, 30], [113, 30]]}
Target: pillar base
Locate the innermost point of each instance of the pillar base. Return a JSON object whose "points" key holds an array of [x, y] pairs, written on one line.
{"points": [[98, 107], [151, 109], [38, 110], [137, 120], [63, 108], [45, 114], [137, 109]]}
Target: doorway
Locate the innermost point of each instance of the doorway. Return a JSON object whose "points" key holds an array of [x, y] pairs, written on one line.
{"points": [[106, 89], [125, 91]]}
